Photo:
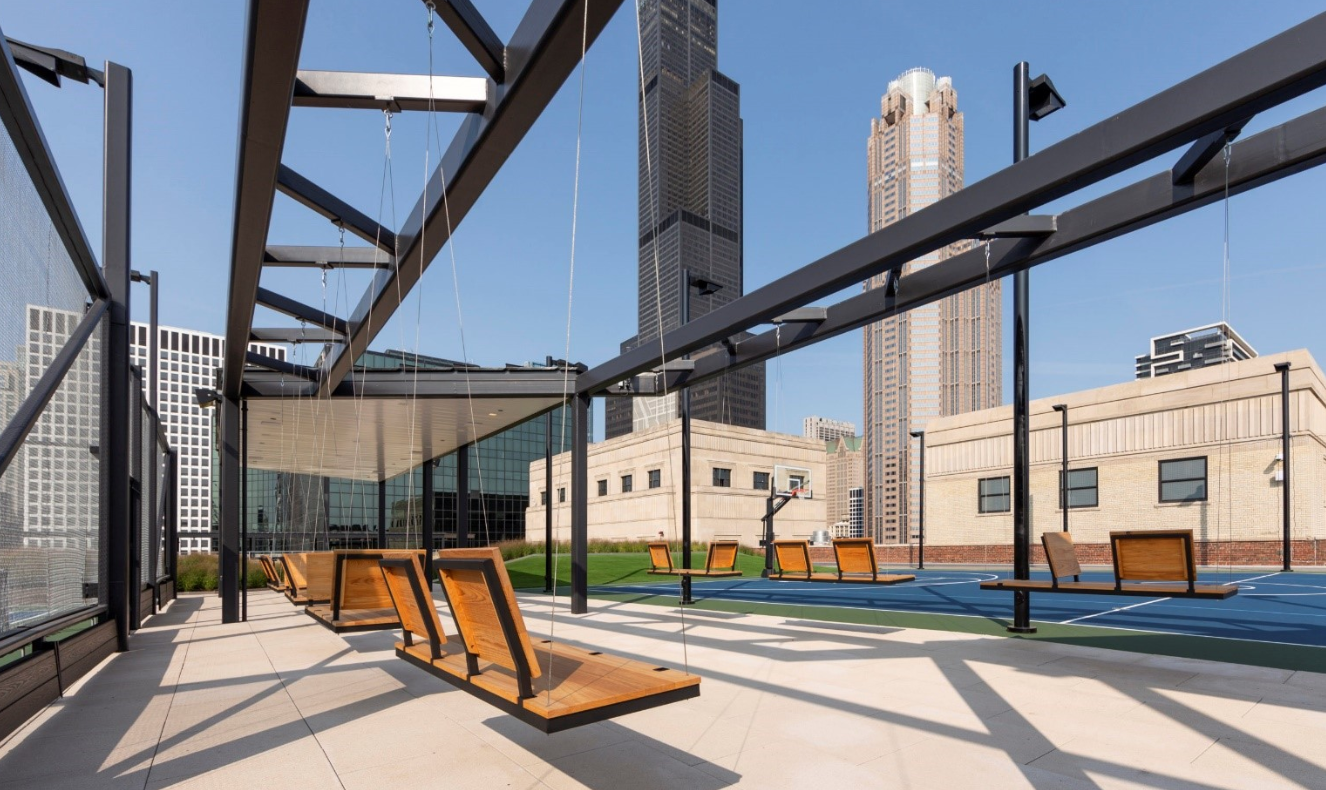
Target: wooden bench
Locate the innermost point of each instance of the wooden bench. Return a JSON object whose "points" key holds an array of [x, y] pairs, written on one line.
{"points": [[721, 560], [360, 598], [1145, 556], [311, 575], [550, 686], [856, 563], [274, 580], [293, 565]]}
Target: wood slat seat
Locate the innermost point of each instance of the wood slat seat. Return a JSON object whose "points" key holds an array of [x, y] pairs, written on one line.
{"points": [[296, 585], [856, 563], [721, 560], [274, 579], [1150, 563], [360, 598], [551, 686]]}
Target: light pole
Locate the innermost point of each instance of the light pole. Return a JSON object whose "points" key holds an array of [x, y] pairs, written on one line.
{"points": [[920, 519], [1062, 408], [1032, 101], [704, 288], [1283, 367]]}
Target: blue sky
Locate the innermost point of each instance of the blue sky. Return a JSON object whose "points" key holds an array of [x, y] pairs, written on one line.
{"points": [[811, 81]]}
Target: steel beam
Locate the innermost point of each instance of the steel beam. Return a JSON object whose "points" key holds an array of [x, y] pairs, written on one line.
{"points": [[392, 92], [542, 53], [300, 311], [275, 33], [1203, 151], [1261, 159], [292, 335], [1025, 226], [474, 34], [342, 214], [326, 257], [231, 503], [1279, 69], [281, 366], [423, 384]]}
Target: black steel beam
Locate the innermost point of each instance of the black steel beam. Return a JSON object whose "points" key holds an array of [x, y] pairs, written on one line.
{"points": [[1025, 226], [293, 335], [231, 504], [1263, 158], [281, 366], [393, 92], [25, 418], [423, 384], [1203, 151], [20, 121], [579, 504], [274, 35], [1279, 69], [326, 257], [542, 53], [298, 310], [475, 35], [428, 517], [333, 208]]}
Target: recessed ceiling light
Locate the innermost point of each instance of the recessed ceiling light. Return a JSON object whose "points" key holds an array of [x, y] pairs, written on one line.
{"points": [[492, 414]]}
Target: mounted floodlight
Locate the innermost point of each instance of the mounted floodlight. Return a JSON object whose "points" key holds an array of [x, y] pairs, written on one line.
{"points": [[917, 434], [1060, 407], [207, 398], [705, 287], [1043, 98]]}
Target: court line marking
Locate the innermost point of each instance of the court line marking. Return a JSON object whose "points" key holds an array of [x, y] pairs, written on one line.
{"points": [[1253, 579], [1112, 611]]}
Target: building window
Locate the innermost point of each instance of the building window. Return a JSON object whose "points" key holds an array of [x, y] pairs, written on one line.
{"points": [[543, 498], [761, 481], [626, 484], [993, 495], [1183, 480], [655, 478], [603, 488], [722, 477], [561, 495], [1082, 488]]}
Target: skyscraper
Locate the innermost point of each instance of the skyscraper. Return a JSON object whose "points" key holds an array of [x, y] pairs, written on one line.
{"points": [[690, 215], [932, 361], [816, 427]]}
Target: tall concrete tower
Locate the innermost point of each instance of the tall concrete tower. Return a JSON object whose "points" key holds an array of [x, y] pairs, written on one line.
{"points": [[937, 360], [690, 217]]}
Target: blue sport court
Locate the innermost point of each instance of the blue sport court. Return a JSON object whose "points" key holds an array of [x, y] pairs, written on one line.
{"points": [[1271, 607]]}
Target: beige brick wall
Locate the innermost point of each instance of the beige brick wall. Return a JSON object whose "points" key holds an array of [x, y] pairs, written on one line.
{"points": [[715, 511]]}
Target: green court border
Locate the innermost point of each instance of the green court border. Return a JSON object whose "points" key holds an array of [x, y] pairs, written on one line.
{"points": [[1207, 648]]}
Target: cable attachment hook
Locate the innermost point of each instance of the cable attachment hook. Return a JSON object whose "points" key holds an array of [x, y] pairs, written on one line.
{"points": [[431, 9], [386, 115]]}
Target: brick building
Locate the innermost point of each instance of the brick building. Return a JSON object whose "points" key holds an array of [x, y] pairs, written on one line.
{"points": [[1197, 449]]}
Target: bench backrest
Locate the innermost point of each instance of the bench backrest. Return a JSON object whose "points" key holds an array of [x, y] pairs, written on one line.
{"points": [[319, 572], [660, 556], [722, 556], [1060, 554], [484, 607], [294, 571], [793, 556], [404, 580], [358, 579], [1154, 555], [270, 568], [855, 555]]}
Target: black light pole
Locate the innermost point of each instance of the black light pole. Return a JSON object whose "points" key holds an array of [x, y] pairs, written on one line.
{"points": [[1062, 408], [1283, 367], [920, 520], [705, 288], [1032, 100]]}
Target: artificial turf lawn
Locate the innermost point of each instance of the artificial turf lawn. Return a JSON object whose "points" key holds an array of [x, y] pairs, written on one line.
{"points": [[527, 572]]}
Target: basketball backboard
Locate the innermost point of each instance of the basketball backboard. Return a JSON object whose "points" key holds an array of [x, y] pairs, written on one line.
{"points": [[793, 481]]}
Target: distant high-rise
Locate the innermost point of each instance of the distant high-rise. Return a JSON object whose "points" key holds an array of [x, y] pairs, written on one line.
{"points": [[932, 361], [1193, 348], [825, 429], [843, 474], [690, 215]]}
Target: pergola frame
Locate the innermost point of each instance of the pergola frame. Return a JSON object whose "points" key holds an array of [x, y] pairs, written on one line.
{"points": [[1203, 112]]}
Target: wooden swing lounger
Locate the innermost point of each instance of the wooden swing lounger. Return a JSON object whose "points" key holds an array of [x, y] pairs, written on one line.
{"points": [[360, 598], [720, 561], [1164, 556], [310, 575], [550, 686], [856, 563], [274, 580]]}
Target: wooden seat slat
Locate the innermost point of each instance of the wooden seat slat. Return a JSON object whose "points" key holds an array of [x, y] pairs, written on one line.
{"points": [[856, 563], [720, 560], [360, 598]]}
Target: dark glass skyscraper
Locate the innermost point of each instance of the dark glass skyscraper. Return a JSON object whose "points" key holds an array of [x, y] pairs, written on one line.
{"points": [[690, 214]]}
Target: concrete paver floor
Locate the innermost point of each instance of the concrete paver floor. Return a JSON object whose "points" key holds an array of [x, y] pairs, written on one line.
{"points": [[280, 701]]}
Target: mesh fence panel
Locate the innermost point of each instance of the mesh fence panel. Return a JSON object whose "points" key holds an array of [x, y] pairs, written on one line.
{"points": [[50, 513], [162, 499]]}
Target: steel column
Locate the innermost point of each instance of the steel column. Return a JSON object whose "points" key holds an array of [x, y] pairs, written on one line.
{"points": [[173, 525], [579, 505], [429, 514], [463, 496], [1021, 387], [382, 514], [684, 396], [231, 506], [1287, 502], [1063, 457], [244, 510], [116, 201], [548, 569], [920, 520]]}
